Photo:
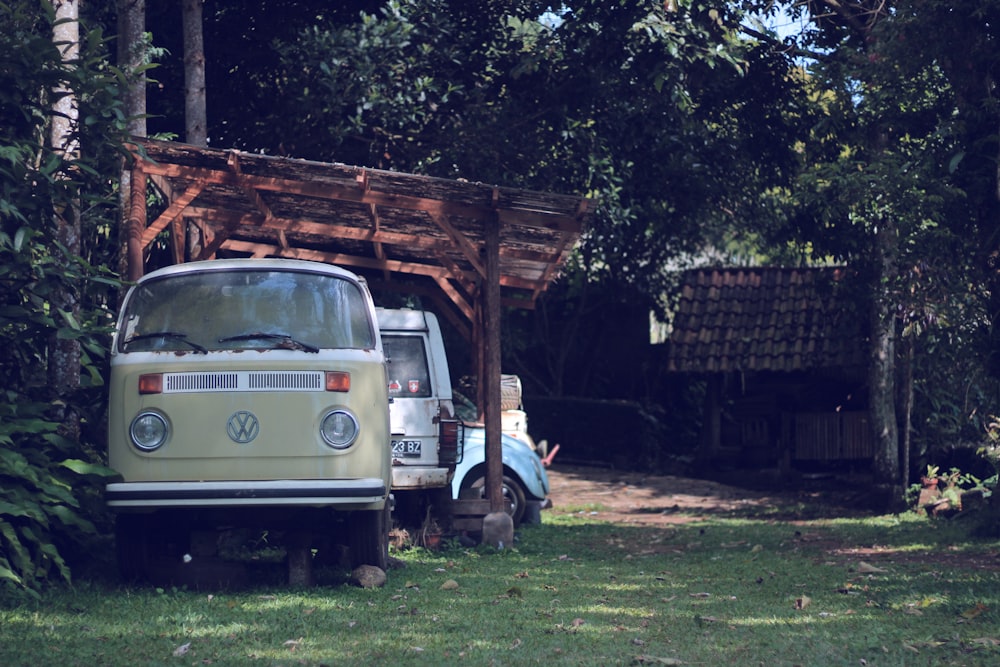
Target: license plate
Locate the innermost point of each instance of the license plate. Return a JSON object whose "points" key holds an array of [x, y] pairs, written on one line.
{"points": [[406, 448]]}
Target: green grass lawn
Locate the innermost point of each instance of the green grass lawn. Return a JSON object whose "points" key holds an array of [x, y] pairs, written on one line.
{"points": [[878, 591]]}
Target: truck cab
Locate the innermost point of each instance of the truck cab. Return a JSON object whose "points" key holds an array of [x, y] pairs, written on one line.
{"points": [[253, 393], [426, 440], [438, 446]]}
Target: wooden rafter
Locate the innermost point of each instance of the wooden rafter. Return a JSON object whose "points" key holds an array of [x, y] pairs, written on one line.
{"points": [[367, 219]]}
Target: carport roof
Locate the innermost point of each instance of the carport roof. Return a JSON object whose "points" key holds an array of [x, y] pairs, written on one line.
{"points": [[370, 220]]}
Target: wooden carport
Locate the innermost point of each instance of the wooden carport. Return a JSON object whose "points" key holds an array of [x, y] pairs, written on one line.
{"points": [[478, 245]]}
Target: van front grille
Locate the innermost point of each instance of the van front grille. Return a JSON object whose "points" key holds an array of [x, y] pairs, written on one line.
{"points": [[196, 382], [286, 380]]}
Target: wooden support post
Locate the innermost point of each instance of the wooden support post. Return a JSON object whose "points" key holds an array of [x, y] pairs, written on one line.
{"points": [[490, 380]]}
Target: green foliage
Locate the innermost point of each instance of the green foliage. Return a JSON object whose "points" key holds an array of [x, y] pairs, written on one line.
{"points": [[46, 497], [47, 476], [681, 131], [896, 124]]}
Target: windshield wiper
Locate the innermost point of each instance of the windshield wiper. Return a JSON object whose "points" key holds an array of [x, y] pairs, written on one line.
{"points": [[172, 335], [287, 342]]}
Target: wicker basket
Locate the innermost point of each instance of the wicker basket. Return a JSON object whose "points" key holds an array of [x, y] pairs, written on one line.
{"points": [[510, 392]]}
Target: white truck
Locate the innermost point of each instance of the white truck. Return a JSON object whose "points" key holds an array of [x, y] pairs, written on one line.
{"points": [[438, 448], [426, 436]]}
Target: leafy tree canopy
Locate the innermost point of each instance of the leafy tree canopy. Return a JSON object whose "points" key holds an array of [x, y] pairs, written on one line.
{"points": [[677, 127]]}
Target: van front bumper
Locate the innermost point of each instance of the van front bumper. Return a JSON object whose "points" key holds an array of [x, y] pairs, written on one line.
{"points": [[346, 492]]}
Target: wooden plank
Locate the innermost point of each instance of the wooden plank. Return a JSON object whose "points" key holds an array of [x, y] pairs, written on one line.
{"points": [[468, 514], [470, 507]]}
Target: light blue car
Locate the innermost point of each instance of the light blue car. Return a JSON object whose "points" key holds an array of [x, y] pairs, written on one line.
{"points": [[525, 482]]}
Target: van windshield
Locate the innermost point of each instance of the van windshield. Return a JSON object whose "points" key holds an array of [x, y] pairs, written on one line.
{"points": [[246, 309]]}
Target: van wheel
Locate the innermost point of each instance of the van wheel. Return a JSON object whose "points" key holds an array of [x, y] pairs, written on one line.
{"points": [[512, 491], [368, 533], [132, 547]]}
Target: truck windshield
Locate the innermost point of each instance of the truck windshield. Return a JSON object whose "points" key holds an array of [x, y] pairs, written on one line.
{"points": [[246, 309]]}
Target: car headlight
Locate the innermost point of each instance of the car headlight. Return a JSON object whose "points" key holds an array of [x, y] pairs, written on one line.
{"points": [[339, 428], [148, 431]]}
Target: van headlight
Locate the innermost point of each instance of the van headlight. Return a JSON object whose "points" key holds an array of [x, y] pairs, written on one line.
{"points": [[339, 428], [148, 431]]}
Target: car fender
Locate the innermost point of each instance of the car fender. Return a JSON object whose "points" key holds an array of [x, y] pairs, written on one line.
{"points": [[517, 456]]}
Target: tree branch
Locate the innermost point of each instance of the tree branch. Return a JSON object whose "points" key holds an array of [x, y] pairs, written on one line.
{"points": [[790, 49]]}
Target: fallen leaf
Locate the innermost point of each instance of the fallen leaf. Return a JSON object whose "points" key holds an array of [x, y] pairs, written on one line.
{"points": [[700, 595], [655, 660], [449, 585], [182, 649], [516, 643], [985, 641], [866, 568], [577, 622], [803, 602], [974, 611]]}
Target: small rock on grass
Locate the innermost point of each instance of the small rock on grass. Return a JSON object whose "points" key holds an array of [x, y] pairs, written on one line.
{"points": [[368, 576]]}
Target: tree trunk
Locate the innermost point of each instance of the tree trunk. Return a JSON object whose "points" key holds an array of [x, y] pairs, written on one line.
{"points": [[909, 347], [882, 369], [64, 353], [195, 115], [131, 57]]}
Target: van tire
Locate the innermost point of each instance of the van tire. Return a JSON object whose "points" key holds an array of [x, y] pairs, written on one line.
{"points": [[368, 534], [474, 486]]}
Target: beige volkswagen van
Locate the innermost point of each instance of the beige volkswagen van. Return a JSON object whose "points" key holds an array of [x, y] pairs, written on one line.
{"points": [[251, 393]]}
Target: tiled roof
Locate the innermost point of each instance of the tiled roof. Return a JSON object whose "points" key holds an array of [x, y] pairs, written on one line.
{"points": [[754, 319]]}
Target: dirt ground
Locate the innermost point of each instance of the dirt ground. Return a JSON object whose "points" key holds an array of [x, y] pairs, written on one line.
{"points": [[654, 500], [638, 498]]}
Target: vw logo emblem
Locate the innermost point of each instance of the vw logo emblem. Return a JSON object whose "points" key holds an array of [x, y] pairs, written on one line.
{"points": [[242, 427]]}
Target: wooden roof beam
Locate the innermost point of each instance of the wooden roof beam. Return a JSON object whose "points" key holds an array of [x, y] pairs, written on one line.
{"points": [[233, 160], [336, 191], [457, 274], [220, 236], [381, 235], [173, 211], [336, 258], [456, 297], [470, 251]]}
